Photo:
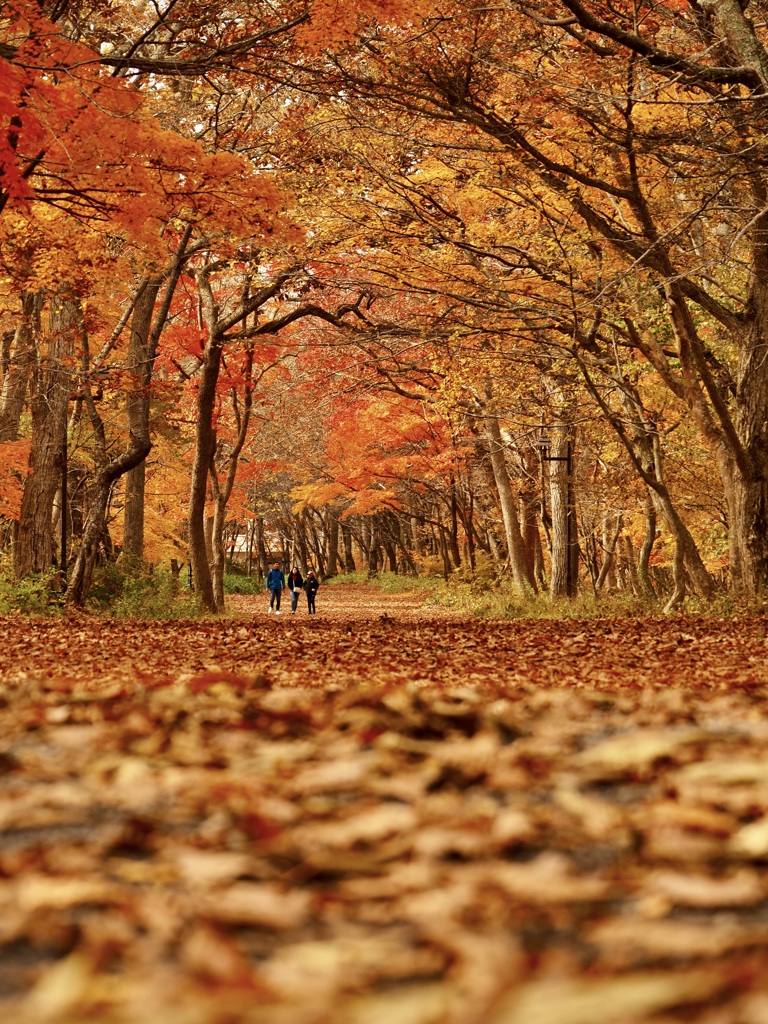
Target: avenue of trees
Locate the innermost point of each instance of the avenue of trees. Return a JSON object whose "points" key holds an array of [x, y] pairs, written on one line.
{"points": [[421, 287]]}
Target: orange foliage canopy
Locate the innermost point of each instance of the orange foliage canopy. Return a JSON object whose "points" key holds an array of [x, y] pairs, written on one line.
{"points": [[81, 140]]}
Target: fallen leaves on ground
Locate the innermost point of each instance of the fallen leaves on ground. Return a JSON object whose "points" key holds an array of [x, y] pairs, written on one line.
{"points": [[404, 819]]}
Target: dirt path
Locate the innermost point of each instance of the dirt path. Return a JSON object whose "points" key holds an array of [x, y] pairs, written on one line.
{"points": [[345, 602], [380, 815]]}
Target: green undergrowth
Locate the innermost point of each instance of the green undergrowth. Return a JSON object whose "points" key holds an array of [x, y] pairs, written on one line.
{"points": [[137, 590], [118, 590], [142, 591], [34, 595], [390, 582]]}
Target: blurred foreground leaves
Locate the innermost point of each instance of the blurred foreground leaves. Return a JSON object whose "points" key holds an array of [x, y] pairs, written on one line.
{"points": [[384, 821]]}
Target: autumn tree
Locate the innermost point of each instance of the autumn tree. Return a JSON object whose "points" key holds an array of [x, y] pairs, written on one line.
{"points": [[644, 123]]}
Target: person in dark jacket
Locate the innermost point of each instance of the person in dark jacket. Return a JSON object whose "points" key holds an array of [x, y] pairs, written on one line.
{"points": [[295, 584], [311, 583], [275, 585]]}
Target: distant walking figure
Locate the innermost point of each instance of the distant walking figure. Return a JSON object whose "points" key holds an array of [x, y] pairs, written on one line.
{"points": [[295, 583], [275, 584], [311, 583]]}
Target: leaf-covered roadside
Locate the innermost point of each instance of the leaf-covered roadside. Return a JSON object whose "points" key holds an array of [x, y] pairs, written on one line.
{"points": [[374, 820]]}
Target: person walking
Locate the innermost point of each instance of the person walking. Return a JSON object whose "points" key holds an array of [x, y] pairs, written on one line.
{"points": [[295, 584], [275, 586], [311, 583]]}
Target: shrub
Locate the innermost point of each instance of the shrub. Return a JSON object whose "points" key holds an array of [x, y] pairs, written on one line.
{"points": [[34, 595], [486, 574], [137, 590], [430, 565], [349, 577], [234, 583]]}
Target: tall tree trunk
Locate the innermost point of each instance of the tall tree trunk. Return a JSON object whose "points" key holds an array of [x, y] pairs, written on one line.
{"points": [[140, 362], [332, 528], [241, 408], [346, 538], [562, 581], [205, 446], [51, 385], [531, 537], [747, 477], [263, 554], [107, 471], [609, 549], [454, 521], [521, 573], [217, 553], [678, 576], [300, 536], [17, 366], [142, 350], [629, 555], [644, 558], [640, 437]]}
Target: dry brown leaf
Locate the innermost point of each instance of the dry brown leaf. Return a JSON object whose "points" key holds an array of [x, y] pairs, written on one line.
{"points": [[744, 888], [208, 953], [637, 749], [41, 892], [626, 939], [207, 868], [603, 1000], [253, 903], [549, 878], [751, 840], [414, 1004], [370, 825], [599, 819]]}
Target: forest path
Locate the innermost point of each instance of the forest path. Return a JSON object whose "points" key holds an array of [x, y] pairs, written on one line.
{"points": [[350, 601], [360, 635], [383, 814]]}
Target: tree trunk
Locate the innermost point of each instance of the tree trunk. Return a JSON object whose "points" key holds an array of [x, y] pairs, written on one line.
{"points": [[531, 537], [454, 520], [332, 527], [140, 361], [643, 561], [261, 549], [205, 446], [609, 549], [346, 538], [678, 575], [108, 470], [51, 384], [217, 554], [563, 577], [521, 574], [142, 350], [241, 408], [17, 367], [300, 536], [747, 477], [629, 555], [641, 439]]}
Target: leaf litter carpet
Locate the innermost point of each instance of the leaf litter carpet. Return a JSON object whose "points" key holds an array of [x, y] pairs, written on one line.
{"points": [[383, 814]]}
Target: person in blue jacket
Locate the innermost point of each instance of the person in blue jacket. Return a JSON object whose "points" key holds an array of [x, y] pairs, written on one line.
{"points": [[275, 586]]}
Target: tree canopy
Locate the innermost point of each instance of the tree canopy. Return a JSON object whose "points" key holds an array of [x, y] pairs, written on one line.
{"points": [[431, 287]]}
